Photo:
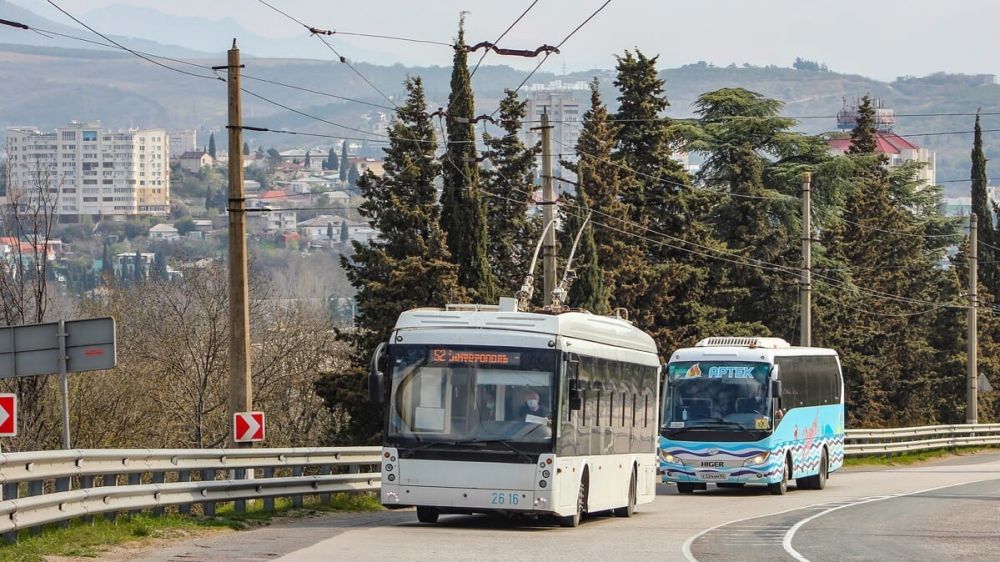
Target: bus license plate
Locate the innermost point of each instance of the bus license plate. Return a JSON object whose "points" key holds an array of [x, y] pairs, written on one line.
{"points": [[711, 476]]}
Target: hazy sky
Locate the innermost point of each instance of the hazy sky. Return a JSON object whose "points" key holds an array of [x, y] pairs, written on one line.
{"points": [[878, 38]]}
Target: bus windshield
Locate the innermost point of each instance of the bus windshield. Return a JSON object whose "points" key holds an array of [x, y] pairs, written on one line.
{"points": [[717, 394], [460, 394]]}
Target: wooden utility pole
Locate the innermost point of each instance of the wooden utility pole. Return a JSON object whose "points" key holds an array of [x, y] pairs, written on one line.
{"points": [[805, 291], [240, 390], [972, 374], [548, 212]]}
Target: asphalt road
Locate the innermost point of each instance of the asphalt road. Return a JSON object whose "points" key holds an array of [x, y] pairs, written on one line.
{"points": [[948, 510]]}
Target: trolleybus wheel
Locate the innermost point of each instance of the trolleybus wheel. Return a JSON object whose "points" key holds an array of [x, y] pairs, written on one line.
{"points": [[581, 499], [629, 509]]}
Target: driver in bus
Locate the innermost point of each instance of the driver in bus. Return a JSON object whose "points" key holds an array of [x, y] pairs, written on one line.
{"points": [[725, 403]]}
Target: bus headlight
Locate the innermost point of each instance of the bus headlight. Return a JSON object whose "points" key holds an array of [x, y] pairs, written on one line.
{"points": [[759, 459], [668, 458]]}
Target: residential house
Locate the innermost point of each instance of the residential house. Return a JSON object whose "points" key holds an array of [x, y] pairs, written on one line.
{"points": [[164, 231], [194, 160]]}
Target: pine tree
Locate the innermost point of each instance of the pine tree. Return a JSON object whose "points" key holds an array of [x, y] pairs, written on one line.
{"points": [[211, 145], [463, 214], [345, 162], [406, 267], [509, 185], [260, 153], [246, 149], [741, 132], [988, 269]]}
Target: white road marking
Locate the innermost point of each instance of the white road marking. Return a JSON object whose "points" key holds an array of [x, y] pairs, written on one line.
{"points": [[686, 547], [787, 542]]}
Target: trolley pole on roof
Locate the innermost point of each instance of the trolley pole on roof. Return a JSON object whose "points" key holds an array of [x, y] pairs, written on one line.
{"points": [[548, 212], [805, 291], [971, 375], [240, 391]]}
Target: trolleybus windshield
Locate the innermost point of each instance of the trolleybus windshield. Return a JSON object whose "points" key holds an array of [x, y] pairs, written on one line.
{"points": [[464, 395]]}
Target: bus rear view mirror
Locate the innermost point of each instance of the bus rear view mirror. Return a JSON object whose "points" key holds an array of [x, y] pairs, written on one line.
{"points": [[776, 389], [376, 376]]}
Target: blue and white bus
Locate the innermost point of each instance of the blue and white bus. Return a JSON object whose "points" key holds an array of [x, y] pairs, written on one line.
{"points": [[742, 411]]}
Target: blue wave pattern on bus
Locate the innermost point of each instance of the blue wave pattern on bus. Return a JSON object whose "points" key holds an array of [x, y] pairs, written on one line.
{"points": [[804, 432]]}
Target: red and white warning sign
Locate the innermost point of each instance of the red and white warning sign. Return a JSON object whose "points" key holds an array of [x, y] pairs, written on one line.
{"points": [[248, 427], [8, 415]]}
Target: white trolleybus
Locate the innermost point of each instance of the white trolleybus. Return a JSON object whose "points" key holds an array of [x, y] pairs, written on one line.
{"points": [[742, 411], [493, 410]]}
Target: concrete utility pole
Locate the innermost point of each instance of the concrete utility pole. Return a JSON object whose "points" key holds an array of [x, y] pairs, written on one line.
{"points": [[971, 375], [548, 212], [805, 291], [240, 390]]}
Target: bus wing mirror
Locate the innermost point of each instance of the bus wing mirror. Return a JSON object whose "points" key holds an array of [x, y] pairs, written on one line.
{"points": [[575, 393], [775, 372], [776, 389], [573, 366], [376, 375]]}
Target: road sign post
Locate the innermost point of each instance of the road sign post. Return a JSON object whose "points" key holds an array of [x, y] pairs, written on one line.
{"points": [[248, 427], [63, 347], [8, 415]]}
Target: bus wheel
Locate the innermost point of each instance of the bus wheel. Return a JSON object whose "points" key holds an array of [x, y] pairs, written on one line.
{"points": [[685, 488], [629, 509], [427, 514], [780, 488], [818, 481], [581, 502]]}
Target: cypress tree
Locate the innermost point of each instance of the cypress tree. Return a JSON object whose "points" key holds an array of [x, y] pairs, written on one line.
{"points": [[406, 267], [107, 268], [345, 163], [137, 272], [208, 196], [345, 231], [246, 149], [463, 214], [308, 162], [981, 206], [329, 231], [589, 291], [331, 160], [160, 266], [509, 184], [211, 145], [353, 176]]}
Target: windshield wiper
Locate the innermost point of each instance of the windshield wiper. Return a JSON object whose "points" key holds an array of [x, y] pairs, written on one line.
{"points": [[520, 454], [427, 444], [713, 422]]}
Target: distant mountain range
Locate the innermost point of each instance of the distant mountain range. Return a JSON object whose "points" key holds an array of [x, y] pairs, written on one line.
{"points": [[49, 81]]}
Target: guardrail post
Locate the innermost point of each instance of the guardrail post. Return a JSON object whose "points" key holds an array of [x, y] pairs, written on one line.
{"points": [[63, 485], [269, 502], [159, 478], [208, 475], [11, 491], [86, 483], [110, 480], [297, 499], [240, 506], [325, 470], [36, 487], [134, 479], [184, 476]]}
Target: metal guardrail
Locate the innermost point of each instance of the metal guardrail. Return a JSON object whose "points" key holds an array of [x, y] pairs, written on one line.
{"points": [[858, 442], [54, 486]]}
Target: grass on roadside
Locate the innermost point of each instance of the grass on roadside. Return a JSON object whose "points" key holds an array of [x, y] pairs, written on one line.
{"points": [[90, 540], [912, 458]]}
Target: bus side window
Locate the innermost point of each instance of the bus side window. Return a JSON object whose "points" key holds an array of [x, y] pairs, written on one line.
{"points": [[635, 399], [645, 411]]}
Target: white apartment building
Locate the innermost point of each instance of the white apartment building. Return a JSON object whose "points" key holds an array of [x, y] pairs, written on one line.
{"points": [[565, 104], [182, 140], [92, 172]]}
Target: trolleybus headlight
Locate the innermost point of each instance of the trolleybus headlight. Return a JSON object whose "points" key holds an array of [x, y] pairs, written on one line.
{"points": [[759, 459]]}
